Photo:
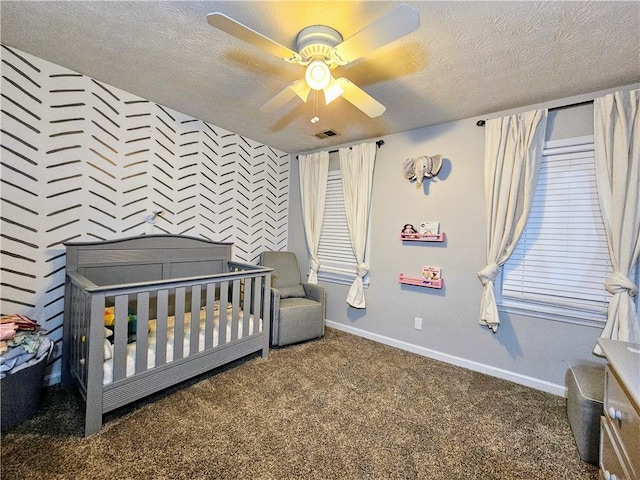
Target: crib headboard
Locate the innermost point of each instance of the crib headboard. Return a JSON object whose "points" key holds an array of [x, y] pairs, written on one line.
{"points": [[146, 258]]}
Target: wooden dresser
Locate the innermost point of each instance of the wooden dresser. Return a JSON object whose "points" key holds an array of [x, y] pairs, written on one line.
{"points": [[620, 423]]}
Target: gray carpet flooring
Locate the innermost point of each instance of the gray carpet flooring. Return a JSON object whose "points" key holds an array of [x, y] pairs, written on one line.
{"points": [[341, 407]]}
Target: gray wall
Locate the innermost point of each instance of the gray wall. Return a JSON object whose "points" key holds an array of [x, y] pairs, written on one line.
{"points": [[531, 351]]}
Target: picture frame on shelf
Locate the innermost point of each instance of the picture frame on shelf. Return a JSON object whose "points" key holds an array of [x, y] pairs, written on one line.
{"points": [[431, 228], [431, 273]]}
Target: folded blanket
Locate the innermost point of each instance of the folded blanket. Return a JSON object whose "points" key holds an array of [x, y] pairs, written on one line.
{"points": [[14, 357], [30, 341], [23, 347], [7, 330], [22, 322], [17, 358]]}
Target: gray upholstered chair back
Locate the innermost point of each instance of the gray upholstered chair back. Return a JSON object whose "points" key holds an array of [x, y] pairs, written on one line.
{"points": [[286, 271]]}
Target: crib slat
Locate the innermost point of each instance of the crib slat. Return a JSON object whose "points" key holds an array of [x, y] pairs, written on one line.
{"points": [[235, 301], [87, 303], [195, 319], [142, 332], [161, 327], [246, 306], [209, 319], [79, 332], [257, 305], [120, 338], [75, 319], [178, 327], [222, 321], [265, 325]]}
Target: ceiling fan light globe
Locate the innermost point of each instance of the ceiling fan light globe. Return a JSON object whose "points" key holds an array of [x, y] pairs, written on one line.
{"points": [[317, 75]]}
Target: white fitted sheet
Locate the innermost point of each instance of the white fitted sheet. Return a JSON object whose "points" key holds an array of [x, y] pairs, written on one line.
{"points": [[186, 339]]}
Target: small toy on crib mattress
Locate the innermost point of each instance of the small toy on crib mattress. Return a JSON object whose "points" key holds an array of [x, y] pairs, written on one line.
{"points": [[132, 322], [109, 316]]}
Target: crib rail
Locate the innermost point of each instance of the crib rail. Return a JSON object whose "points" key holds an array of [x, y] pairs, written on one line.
{"points": [[213, 312]]}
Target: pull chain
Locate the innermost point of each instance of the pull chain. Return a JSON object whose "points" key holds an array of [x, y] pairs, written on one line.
{"points": [[315, 107]]}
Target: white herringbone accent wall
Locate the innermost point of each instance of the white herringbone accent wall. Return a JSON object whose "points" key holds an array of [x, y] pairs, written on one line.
{"points": [[82, 160]]}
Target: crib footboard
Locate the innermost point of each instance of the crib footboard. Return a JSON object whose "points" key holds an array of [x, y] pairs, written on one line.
{"points": [[125, 342]]}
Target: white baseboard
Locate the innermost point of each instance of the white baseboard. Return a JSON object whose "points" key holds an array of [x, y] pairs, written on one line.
{"points": [[518, 378]]}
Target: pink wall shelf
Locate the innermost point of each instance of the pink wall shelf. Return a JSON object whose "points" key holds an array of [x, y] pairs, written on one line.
{"points": [[422, 237], [420, 281]]}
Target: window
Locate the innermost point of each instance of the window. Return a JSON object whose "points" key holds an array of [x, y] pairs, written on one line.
{"points": [[560, 264], [337, 261]]}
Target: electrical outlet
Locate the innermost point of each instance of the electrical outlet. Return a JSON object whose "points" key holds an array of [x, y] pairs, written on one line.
{"points": [[417, 323]]}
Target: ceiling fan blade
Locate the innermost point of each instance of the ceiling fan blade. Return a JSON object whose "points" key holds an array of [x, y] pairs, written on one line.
{"points": [[301, 88], [238, 30], [294, 89], [396, 24], [360, 98], [332, 91]]}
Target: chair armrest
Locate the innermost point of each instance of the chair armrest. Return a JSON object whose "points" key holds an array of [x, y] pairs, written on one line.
{"points": [[275, 297], [315, 292], [275, 313], [275, 304]]}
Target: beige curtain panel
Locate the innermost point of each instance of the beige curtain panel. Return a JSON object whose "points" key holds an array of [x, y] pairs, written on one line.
{"points": [[314, 170], [356, 168], [617, 157], [513, 153]]}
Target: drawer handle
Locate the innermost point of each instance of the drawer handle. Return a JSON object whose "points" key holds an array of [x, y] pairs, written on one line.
{"points": [[614, 414], [609, 476]]}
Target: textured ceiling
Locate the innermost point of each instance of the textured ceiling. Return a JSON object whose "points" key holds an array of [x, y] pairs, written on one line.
{"points": [[466, 59]]}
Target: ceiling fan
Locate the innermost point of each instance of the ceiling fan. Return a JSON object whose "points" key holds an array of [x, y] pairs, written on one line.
{"points": [[321, 49]]}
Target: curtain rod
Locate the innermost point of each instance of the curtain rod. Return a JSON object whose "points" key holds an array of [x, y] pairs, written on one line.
{"points": [[379, 143], [481, 123]]}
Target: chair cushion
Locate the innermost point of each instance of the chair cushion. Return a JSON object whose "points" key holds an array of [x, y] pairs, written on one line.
{"points": [[300, 319], [292, 291]]}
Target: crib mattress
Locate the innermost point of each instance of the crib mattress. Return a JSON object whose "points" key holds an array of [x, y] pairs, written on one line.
{"points": [[171, 339]]}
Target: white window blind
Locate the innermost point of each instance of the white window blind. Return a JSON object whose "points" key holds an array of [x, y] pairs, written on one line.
{"points": [[562, 260], [337, 261]]}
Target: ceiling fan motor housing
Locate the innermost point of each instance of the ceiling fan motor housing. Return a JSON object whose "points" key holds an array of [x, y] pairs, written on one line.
{"points": [[317, 41]]}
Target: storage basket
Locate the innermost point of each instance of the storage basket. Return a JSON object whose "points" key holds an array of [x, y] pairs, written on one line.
{"points": [[585, 393], [21, 392]]}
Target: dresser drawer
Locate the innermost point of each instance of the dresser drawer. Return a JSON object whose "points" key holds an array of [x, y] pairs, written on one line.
{"points": [[623, 419], [611, 463]]}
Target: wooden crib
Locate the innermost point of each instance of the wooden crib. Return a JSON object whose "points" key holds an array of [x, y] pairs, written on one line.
{"points": [[145, 313]]}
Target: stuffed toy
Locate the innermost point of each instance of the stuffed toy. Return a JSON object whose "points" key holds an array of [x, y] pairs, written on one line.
{"points": [[110, 321], [417, 169]]}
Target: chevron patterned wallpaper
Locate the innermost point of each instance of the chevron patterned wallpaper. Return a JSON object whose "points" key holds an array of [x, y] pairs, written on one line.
{"points": [[82, 160]]}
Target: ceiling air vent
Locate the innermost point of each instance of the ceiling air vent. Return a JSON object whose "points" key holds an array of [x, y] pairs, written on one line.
{"points": [[326, 134]]}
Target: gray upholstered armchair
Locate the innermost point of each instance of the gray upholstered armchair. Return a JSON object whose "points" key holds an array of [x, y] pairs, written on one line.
{"points": [[297, 308]]}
